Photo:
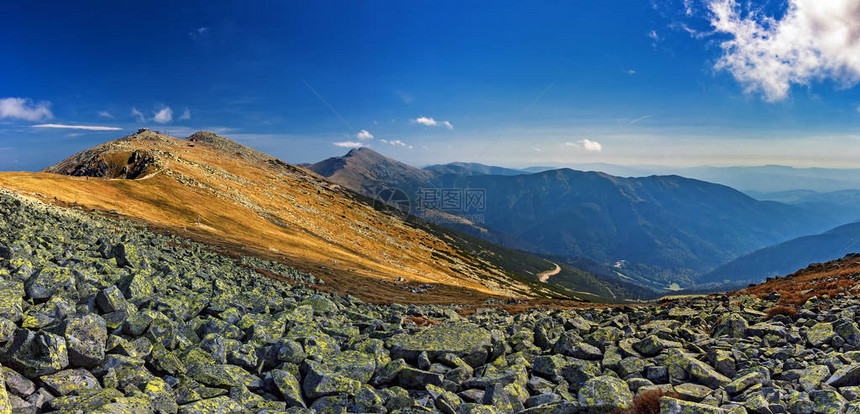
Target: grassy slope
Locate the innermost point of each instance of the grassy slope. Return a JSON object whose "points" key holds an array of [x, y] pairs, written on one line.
{"points": [[292, 216]]}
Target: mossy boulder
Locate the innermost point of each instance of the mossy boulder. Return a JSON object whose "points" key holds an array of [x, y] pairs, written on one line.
{"points": [[669, 405], [36, 353], [820, 334], [465, 340], [604, 394], [11, 298], [85, 338], [50, 281]]}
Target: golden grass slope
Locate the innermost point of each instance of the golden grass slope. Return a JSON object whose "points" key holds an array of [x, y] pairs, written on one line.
{"points": [[248, 203]]}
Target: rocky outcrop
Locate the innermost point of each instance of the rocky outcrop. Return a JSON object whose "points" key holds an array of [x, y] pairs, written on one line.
{"points": [[98, 316]]}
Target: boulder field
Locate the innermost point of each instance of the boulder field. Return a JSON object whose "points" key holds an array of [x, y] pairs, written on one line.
{"points": [[100, 316]]}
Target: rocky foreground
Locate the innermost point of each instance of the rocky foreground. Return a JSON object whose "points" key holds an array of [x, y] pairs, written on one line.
{"points": [[97, 316]]}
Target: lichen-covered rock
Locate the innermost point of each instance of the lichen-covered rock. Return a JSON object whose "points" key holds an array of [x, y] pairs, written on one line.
{"points": [[11, 297], [85, 338], [670, 405], [820, 334], [682, 367], [848, 375], [289, 388], [36, 354], [320, 382], [827, 402], [465, 340], [352, 364], [129, 255], [605, 394], [161, 396], [70, 381], [733, 325], [5, 405], [50, 281], [220, 405]]}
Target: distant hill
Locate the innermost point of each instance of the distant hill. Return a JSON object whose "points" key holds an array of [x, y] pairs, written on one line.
{"points": [[749, 179], [683, 226], [844, 204], [785, 258], [466, 168]]}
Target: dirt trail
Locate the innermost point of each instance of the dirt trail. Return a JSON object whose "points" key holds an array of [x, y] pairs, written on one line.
{"points": [[544, 276]]}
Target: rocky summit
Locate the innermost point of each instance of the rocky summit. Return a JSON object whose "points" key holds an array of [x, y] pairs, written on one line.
{"points": [[100, 316]]}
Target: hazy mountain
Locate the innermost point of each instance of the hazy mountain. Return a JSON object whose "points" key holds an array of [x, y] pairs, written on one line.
{"points": [[787, 257], [471, 168], [660, 222], [752, 179], [844, 204]]}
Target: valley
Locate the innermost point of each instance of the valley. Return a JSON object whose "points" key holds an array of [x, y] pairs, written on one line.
{"points": [[669, 231]]}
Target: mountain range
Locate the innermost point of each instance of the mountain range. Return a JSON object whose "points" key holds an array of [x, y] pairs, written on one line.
{"points": [[246, 203], [785, 258], [669, 229]]}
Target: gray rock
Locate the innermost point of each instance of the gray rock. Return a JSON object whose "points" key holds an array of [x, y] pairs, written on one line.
{"points": [[465, 340], [85, 338], [605, 394], [69, 381]]}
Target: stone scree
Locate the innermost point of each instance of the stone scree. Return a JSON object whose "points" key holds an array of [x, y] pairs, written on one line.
{"points": [[97, 316]]}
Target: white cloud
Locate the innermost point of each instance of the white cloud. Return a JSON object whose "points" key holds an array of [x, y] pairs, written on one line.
{"points": [[427, 121], [85, 127], [631, 71], [653, 35], [186, 114], [164, 115], [26, 109], [363, 134], [814, 40], [105, 114], [591, 146], [395, 142], [586, 144], [137, 115], [348, 144]]}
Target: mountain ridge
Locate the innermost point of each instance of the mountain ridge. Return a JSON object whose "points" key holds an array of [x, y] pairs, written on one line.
{"points": [[214, 190], [684, 225]]}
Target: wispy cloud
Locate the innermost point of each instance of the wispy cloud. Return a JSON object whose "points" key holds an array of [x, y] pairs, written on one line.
{"points": [[655, 38], [348, 144], [363, 135], [395, 143], [813, 40], [164, 115], [640, 119], [200, 33], [24, 108], [186, 114], [137, 115], [84, 127], [586, 144], [427, 121], [630, 71], [405, 97]]}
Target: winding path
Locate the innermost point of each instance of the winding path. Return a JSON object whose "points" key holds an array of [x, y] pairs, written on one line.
{"points": [[544, 276]]}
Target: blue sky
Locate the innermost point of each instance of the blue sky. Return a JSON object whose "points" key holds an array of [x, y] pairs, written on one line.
{"points": [[695, 82]]}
